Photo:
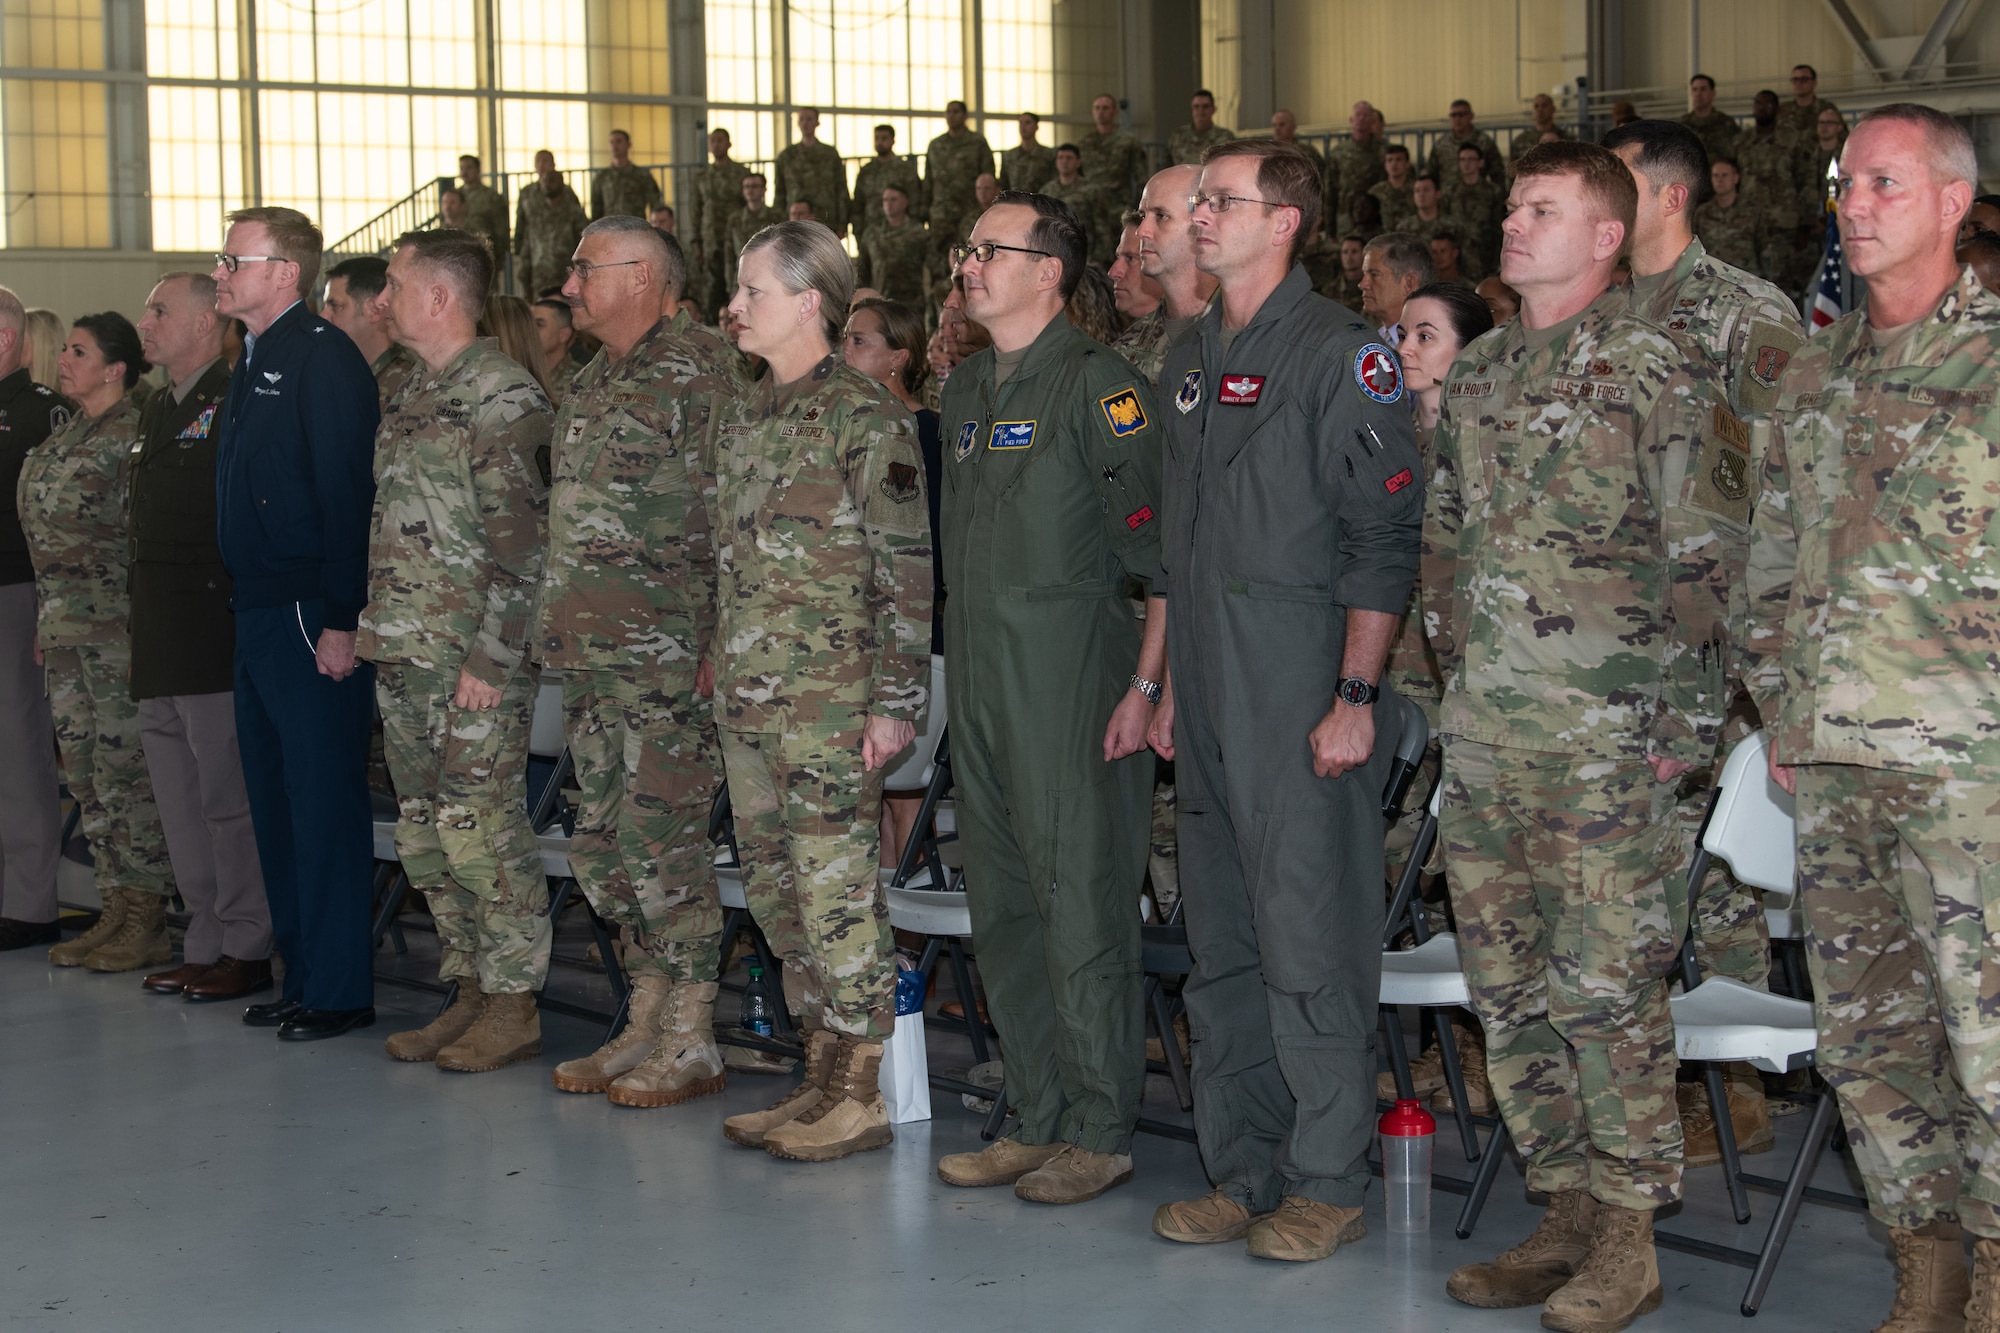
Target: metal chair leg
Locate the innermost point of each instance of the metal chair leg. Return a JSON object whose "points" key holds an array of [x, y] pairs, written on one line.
{"points": [[392, 903], [1454, 1078], [1821, 1126], [1399, 1052], [995, 1117], [961, 977], [1170, 1047], [450, 996], [614, 971], [1482, 1182], [1725, 1139]]}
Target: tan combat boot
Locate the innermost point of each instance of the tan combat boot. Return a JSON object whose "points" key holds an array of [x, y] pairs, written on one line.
{"points": [[1001, 1162], [634, 1042], [425, 1042], [71, 953], [1426, 1076], [1472, 1067], [1982, 1309], [1618, 1282], [1212, 1218], [1931, 1283], [685, 1063], [1303, 1230], [509, 1028], [749, 1129], [1075, 1175], [849, 1116], [1749, 1116], [1530, 1273], [141, 940]]}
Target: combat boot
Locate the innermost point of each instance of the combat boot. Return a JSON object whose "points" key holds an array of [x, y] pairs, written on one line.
{"points": [[1001, 1162], [749, 1129], [1531, 1272], [1303, 1230], [644, 1013], [509, 1028], [1426, 1076], [1749, 1116], [849, 1116], [1618, 1282], [1075, 1175], [71, 953], [1982, 1309], [685, 1064], [1212, 1218], [1931, 1284], [141, 940], [425, 1042], [1472, 1068]]}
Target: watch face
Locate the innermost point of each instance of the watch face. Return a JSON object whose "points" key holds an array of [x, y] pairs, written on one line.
{"points": [[1356, 692]]}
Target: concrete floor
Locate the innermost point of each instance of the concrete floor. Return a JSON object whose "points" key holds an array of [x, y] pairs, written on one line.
{"points": [[172, 1169]]}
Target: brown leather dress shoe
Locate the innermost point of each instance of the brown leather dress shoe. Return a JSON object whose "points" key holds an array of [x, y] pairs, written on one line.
{"points": [[174, 982], [230, 979]]}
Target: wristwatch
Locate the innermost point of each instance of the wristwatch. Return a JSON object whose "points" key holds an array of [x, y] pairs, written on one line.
{"points": [[1356, 691], [1149, 688]]}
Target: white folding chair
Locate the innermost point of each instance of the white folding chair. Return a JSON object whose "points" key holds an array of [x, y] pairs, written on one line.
{"points": [[1750, 826], [549, 764]]}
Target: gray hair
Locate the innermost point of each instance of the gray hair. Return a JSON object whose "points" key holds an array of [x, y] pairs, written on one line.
{"points": [[1952, 157], [13, 315], [810, 258], [1404, 254], [668, 260], [201, 285]]}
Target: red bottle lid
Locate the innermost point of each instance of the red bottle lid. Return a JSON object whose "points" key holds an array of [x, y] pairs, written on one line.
{"points": [[1408, 1121]]}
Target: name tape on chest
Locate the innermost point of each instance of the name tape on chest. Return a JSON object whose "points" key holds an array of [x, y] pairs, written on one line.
{"points": [[1377, 374], [1124, 412], [1189, 398], [1241, 390], [1470, 389], [968, 439], [1012, 435], [1603, 391]]}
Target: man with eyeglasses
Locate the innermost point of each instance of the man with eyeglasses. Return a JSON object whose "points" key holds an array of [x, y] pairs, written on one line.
{"points": [[1801, 114], [626, 611], [295, 492], [1050, 506], [1293, 511]]}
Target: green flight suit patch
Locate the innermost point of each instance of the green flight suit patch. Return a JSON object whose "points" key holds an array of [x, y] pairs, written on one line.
{"points": [[1123, 411]]}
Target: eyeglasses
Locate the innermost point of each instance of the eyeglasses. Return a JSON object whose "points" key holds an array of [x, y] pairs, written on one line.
{"points": [[582, 269], [1222, 203], [985, 251], [230, 263]]}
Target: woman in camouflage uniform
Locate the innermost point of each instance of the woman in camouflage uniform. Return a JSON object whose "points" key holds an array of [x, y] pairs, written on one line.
{"points": [[71, 498], [822, 664]]}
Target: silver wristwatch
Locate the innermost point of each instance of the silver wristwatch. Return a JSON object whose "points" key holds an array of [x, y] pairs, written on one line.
{"points": [[1149, 688]]}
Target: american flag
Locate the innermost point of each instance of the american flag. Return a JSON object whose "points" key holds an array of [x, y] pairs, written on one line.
{"points": [[1830, 284]]}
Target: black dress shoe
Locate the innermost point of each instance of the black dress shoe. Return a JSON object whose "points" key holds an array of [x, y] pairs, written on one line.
{"points": [[26, 934], [272, 1014], [317, 1024]]}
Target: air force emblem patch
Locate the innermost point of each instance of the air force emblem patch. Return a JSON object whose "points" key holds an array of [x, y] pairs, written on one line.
{"points": [[1012, 435], [1123, 411], [1189, 398], [968, 436], [1376, 371]]}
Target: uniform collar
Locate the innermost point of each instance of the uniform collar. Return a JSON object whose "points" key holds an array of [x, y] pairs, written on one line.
{"points": [[1055, 342], [1941, 330], [1284, 298]]}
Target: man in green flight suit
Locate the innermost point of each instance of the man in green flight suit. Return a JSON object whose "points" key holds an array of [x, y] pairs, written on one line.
{"points": [[1050, 505]]}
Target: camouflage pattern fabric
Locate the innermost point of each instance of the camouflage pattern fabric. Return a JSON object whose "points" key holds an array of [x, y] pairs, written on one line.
{"points": [[813, 172], [1089, 203], [1444, 155], [1718, 133], [546, 231], [1412, 665], [1186, 144], [894, 260], [1523, 140], [1579, 1036], [1771, 172], [1163, 864], [462, 830], [742, 227], [104, 766], [951, 164], [71, 501], [1144, 344], [715, 202], [1803, 121], [1730, 234], [486, 215], [1896, 876], [630, 190], [869, 182], [1475, 212], [392, 370], [1398, 206], [1027, 169], [1116, 161], [1355, 170]]}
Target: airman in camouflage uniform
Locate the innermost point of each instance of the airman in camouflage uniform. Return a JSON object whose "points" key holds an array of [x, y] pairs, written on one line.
{"points": [[812, 171], [454, 561], [1444, 153], [894, 256], [953, 161], [752, 218], [485, 210], [1357, 166], [717, 199], [547, 223], [1768, 156], [71, 499], [1543, 121], [1802, 118], [1028, 165], [1718, 133], [1581, 634], [1870, 656], [622, 187], [1475, 210], [1110, 157], [627, 611], [1729, 232], [1089, 201], [886, 168], [1398, 202], [1186, 144]]}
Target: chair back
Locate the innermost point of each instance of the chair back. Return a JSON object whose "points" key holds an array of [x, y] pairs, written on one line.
{"points": [[546, 738], [1412, 736], [1752, 824]]}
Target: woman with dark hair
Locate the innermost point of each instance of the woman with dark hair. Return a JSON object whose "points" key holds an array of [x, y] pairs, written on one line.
{"points": [[71, 499], [1439, 320]]}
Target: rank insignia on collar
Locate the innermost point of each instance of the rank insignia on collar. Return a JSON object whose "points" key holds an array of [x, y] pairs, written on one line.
{"points": [[1241, 390], [1012, 435], [1376, 371], [1123, 411], [968, 436], [1189, 398]]}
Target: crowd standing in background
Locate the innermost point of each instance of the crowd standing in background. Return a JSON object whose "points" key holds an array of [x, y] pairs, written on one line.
{"points": [[1217, 462]]}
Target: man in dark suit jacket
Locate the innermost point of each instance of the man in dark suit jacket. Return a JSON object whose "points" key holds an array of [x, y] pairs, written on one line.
{"points": [[294, 494], [183, 652]]}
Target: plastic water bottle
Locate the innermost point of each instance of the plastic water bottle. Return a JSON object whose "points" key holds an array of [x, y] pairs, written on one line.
{"points": [[1408, 1134], [757, 1010]]}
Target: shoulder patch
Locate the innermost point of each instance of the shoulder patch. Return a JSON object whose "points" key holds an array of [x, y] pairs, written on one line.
{"points": [[58, 417], [1722, 476], [968, 437], [1012, 435], [1123, 411], [1189, 397], [1376, 371]]}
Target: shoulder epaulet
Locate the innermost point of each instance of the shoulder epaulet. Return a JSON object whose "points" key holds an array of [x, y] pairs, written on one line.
{"points": [[43, 389]]}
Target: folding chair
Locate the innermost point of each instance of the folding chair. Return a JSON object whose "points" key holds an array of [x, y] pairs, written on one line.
{"points": [[735, 919], [1750, 826], [549, 763]]}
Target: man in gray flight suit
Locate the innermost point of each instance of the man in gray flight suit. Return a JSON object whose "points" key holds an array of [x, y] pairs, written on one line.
{"points": [[1050, 506], [1294, 513]]}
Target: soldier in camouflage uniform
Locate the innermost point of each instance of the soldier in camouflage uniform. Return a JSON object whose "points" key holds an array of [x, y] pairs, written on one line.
{"points": [[1542, 114], [1186, 145], [1716, 130], [1870, 656], [1359, 164], [1285, 129], [547, 223], [454, 560], [485, 210], [752, 218], [627, 608], [718, 198], [1030, 164], [1768, 156], [953, 161], [1395, 192], [812, 171], [1444, 153], [894, 254], [886, 168], [822, 667], [71, 499], [1801, 114], [1727, 223], [1475, 206], [1090, 202], [1111, 158], [1566, 728], [622, 187]]}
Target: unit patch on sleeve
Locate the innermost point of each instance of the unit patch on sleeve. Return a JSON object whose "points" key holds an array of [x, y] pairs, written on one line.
{"points": [[1123, 411], [899, 483], [1376, 371], [1189, 398], [968, 436], [1011, 435]]}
